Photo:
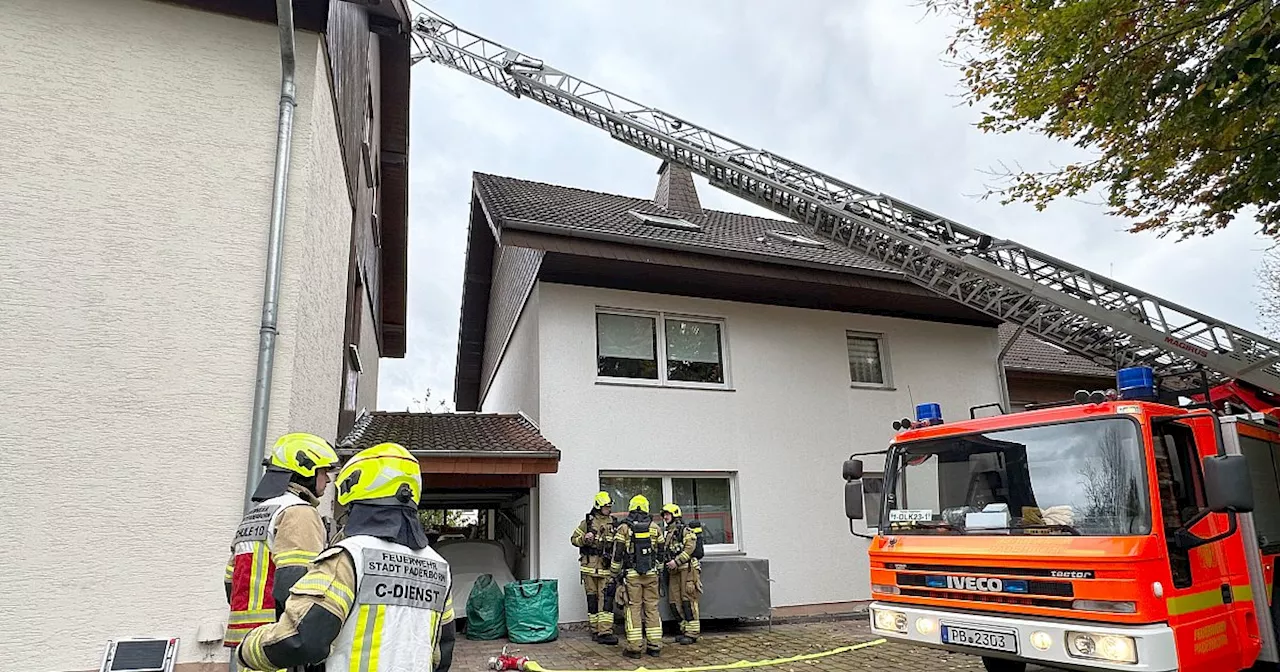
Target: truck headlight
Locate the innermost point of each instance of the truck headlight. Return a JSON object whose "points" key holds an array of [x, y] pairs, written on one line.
{"points": [[1094, 646], [893, 621], [1109, 606]]}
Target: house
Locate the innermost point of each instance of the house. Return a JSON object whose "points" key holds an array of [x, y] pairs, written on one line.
{"points": [[1038, 372], [140, 144], [725, 361]]}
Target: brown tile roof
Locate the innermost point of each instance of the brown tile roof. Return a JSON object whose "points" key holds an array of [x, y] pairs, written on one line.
{"points": [[1032, 354], [578, 211], [425, 433]]}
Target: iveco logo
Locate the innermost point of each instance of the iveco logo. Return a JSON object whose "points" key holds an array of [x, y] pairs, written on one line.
{"points": [[975, 583]]}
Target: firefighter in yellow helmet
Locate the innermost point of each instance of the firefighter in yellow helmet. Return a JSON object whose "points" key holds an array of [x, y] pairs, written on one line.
{"points": [[594, 539], [635, 555], [279, 535], [377, 601], [682, 551]]}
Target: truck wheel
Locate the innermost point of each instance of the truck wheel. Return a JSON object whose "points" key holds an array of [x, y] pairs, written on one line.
{"points": [[1002, 665]]}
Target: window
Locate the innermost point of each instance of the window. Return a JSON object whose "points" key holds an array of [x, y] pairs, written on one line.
{"points": [[375, 222], [1178, 477], [369, 142], [707, 497], [1266, 490], [873, 495], [691, 350], [1084, 477], [796, 239], [868, 360], [665, 221]]}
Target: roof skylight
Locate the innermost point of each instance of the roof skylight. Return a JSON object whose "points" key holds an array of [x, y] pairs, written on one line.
{"points": [[665, 221], [796, 239]]}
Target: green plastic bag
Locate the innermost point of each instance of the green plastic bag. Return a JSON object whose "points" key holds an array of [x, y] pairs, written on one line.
{"points": [[533, 611], [486, 611]]}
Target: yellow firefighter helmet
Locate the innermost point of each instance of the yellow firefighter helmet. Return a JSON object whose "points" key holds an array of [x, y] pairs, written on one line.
{"points": [[383, 474], [639, 503], [302, 453]]}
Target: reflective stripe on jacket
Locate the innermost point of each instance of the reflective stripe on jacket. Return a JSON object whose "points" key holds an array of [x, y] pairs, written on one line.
{"points": [[401, 603], [251, 572]]}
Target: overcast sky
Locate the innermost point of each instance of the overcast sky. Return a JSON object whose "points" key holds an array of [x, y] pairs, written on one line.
{"points": [[855, 89]]}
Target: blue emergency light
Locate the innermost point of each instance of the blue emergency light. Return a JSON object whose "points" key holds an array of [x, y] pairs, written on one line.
{"points": [[1137, 383], [929, 414]]}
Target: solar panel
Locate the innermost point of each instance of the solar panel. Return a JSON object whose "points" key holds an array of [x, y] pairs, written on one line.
{"points": [[140, 655]]}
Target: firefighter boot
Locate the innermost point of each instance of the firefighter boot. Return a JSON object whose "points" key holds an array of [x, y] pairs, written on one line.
{"points": [[593, 615]]}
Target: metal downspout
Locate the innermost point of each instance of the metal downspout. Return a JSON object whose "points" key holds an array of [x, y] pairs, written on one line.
{"points": [[275, 249], [1000, 372]]}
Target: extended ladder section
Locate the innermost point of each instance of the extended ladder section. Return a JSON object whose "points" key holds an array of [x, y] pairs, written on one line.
{"points": [[1091, 315]]}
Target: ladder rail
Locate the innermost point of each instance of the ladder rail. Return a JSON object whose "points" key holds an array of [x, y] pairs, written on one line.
{"points": [[1098, 318]]}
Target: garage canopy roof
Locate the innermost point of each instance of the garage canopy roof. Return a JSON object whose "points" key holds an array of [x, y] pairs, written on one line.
{"points": [[458, 443]]}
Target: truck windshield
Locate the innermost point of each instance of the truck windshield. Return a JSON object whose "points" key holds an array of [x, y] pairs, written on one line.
{"points": [[1084, 477]]}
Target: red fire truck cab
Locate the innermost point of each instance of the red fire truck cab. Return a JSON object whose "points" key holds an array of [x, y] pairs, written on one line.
{"points": [[1116, 533]]}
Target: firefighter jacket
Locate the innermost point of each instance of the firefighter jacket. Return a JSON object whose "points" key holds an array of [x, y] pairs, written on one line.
{"points": [[636, 544], [272, 546], [679, 542], [594, 556], [367, 605]]}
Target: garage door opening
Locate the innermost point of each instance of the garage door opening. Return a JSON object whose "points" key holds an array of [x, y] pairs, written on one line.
{"points": [[479, 533]]}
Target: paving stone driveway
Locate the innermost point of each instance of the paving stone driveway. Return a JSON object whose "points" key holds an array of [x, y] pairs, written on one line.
{"points": [[575, 651]]}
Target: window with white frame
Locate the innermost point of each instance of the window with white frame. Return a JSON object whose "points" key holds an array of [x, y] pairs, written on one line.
{"points": [[660, 348], [710, 497], [868, 360]]}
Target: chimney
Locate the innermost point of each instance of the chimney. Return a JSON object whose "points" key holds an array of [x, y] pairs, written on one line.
{"points": [[676, 191]]}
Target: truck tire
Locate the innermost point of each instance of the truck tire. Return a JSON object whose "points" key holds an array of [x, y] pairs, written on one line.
{"points": [[1002, 665]]}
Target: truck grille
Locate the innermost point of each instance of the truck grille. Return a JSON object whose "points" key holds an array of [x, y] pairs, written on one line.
{"points": [[991, 598], [966, 584], [1025, 587]]}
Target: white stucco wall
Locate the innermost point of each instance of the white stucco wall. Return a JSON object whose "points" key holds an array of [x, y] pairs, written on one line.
{"points": [[789, 422], [515, 382], [135, 190], [314, 286]]}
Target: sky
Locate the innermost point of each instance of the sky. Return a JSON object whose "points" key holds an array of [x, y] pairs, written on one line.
{"points": [[859, 90]]}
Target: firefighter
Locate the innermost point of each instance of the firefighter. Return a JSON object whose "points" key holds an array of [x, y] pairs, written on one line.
{"points": [[684, 572], [279, 535], [377, 601], [594, 539], [635, 557]]}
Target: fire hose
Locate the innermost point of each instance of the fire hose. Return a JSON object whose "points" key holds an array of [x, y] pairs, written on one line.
{"points": [[506, 661]]}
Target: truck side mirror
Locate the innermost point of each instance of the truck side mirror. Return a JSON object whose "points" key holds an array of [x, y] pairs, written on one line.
{"points": [[1227, 486], [853, 470], [853, 500]]}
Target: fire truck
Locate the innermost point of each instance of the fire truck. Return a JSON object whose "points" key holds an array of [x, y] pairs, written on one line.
{"points": [[1115, 532]]}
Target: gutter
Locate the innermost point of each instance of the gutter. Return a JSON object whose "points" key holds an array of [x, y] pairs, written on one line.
{"points": [[487, 453], [268, 331], [505, 454]]}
